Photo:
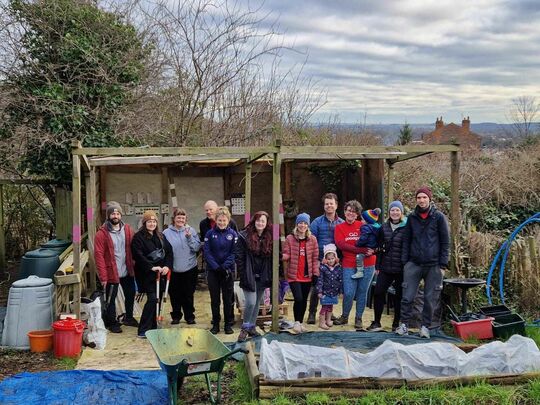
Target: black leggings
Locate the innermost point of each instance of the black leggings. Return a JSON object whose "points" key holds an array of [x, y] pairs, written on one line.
{"points": [[300, 292], [384, 281]]}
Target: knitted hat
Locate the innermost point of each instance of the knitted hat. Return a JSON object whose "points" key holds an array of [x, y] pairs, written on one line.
{"points": [[303, 217], [426, 190], [396, 204], [330, 248], [148, 215], [111, 207], [371, 216]]}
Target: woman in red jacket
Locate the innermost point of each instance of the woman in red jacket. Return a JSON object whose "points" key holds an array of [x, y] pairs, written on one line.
{"points": [[301, 252], [345, 236]]}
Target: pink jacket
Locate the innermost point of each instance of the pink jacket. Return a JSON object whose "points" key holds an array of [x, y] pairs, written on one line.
{"points": [[291, 250]]}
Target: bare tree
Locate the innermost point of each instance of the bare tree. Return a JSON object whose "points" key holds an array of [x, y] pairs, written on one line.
{"points": [[522, 115], [220, 79]]}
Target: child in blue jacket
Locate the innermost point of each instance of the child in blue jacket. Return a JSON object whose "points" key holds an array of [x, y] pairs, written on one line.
{"points": [[368, 237], [219, 244]]}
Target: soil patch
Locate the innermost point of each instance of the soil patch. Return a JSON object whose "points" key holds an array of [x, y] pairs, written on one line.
{"points": [[17, 361]]}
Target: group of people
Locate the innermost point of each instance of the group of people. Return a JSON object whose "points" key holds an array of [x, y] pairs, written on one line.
{"points": [[322, 259]]}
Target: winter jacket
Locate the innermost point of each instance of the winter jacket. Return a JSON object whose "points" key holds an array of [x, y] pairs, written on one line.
{"points": [[246, 262], [323, 229], [204, 227], [368, 236], [426, 242], [330, 282], [141, 246], [291, 252], [390, 243], [104, 254], [219, 247], [346, 236], [184, 248]]}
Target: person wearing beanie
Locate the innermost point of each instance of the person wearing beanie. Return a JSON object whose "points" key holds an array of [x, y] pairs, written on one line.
{"points": [[329, 285], [368, 238], [389, 266], [114, 265], [323, 228], [153, 254], [354, 289], [301, 252], [219, 245], [426, 244]]}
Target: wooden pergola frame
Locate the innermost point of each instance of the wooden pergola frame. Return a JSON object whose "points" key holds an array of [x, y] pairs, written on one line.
{"points": [[88, 159]]}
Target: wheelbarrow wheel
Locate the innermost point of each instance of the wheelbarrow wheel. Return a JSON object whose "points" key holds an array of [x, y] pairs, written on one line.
{"points": [[214, 399]]}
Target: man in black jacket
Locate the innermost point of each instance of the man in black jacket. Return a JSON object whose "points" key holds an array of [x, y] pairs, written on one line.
{"points": [[426, 243]]}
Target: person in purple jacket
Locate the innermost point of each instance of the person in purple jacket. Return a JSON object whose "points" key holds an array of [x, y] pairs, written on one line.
{"points": [[219, 245], [329, 285]]}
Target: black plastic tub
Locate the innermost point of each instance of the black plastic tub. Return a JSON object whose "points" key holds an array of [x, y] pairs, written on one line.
{"points": [[496, 310], [507, 325]]}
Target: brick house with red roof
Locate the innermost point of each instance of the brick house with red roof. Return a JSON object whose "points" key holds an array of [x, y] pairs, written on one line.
{"points": [[452, 133]]}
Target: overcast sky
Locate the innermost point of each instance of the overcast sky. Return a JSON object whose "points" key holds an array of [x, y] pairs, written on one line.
{"points": [[413, 60]]}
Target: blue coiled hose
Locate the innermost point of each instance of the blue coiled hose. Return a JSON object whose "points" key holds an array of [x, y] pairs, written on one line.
{"points": [[506, 248]]}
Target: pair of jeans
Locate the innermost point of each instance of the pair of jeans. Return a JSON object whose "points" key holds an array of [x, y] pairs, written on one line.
{"points": [[300, 292], [251, 305], [384, 281], [221, 283], [181, 290], [128, 287], [412, 274], [356, 289]]}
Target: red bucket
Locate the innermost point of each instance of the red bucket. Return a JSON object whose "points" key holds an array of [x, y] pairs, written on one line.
{"points": [[68, 337]]}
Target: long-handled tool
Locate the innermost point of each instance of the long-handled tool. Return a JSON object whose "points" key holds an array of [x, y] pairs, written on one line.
{"points": [[164, 300], [158, 312]]}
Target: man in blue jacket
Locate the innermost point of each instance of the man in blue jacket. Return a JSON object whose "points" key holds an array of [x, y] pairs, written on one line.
{"points": [[426, 243], [323, 229]]}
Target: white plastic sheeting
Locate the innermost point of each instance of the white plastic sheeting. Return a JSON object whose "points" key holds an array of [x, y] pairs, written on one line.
{"points": [[286, 361]]}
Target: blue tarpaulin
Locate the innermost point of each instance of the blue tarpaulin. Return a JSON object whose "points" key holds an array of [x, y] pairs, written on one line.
{"points": [[90, 387]]}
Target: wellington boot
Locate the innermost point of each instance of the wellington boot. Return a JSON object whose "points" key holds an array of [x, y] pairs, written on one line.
{"points": [[329, 321], [322, 322]]}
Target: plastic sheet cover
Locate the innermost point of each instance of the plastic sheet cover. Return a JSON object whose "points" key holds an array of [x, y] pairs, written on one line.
{"points": [[85, 387], [286, 361]]}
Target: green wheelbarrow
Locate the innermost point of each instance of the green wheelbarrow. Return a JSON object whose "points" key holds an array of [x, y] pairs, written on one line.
{"points": [[184, 352]]}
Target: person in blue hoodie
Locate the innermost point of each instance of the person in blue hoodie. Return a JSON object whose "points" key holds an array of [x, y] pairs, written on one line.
{"points": [[219, 245], [389, 266], [185, 244]]}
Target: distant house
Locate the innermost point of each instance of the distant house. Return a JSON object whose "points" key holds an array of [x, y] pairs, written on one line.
{"points": [[452, 133]]}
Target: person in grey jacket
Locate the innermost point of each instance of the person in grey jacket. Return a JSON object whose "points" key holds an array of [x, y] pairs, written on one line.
{"points": [[185, 244], [426, 243]]}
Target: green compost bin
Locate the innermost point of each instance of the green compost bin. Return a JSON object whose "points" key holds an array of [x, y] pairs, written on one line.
{"points": [[40, 262], [58, 245]]}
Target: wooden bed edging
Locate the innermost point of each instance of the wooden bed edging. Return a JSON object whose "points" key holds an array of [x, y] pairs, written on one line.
{"points": [[363, 385]]}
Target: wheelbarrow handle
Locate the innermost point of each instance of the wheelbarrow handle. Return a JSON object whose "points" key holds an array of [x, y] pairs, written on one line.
{"points": [[237, 350]]}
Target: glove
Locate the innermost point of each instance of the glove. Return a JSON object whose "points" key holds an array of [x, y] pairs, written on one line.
{"points": [[314, 279]]}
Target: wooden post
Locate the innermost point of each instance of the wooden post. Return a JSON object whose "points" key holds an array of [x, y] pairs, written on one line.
{"points": [[91, 212], [3, 263], [276, 191], [76, 233], [64, 213], [454, 213], [247, 214], [390, 184]]}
